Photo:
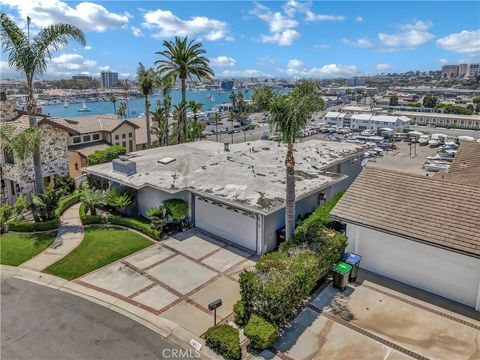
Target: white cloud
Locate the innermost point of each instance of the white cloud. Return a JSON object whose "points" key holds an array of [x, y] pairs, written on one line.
{"points": [[296, 68], [359, 18], [65, 65], [360, 43], [124, 75], [320, 47], [443, 61], [383, 66], [87, 16], [222, 61], [137, 32], [266, 60], [464, 42], [167, 24], [104, 68], [291, 7], [413, 35], [248, 73], [281, 27], [87, 47]]}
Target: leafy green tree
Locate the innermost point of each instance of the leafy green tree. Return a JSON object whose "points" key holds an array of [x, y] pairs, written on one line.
{"points": [[147, 82], [184, 59], [289, 115], [430, 101], [6, 213], [20, 206], [30, 57], [393, 100], [195, 130]]}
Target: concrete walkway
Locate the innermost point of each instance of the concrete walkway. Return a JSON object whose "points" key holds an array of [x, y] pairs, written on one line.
{"points": [[69, 236]]}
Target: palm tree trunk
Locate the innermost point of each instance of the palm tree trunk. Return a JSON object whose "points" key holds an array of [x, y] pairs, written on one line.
{"points": [[290, 198], [37, 160], [184, 111], [115, 109], [216, 132], [147, 119], [167, 132]]}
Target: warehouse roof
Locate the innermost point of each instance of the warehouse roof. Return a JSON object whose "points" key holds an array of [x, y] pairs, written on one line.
{"points": [[414, 207], [251, 175]]}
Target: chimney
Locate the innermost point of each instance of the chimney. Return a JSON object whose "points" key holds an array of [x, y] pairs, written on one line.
{"points": [[124, 166], [226, 147]]}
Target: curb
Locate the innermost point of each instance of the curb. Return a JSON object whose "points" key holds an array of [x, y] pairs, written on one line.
{"points": [[166, 328]]}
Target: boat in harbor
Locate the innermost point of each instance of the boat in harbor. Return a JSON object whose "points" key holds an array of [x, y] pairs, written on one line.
{"points": [[65, 104], [436, 166], [84, 107]]}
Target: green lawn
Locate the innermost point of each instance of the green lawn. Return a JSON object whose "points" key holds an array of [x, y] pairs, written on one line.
{"points": [[100, 246], [17, 248]]}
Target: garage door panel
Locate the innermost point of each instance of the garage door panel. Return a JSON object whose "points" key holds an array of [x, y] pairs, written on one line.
{"points": [[229, 225]]}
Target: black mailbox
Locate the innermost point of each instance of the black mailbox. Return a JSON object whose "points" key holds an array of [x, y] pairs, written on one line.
{"points": [[215, 304]]}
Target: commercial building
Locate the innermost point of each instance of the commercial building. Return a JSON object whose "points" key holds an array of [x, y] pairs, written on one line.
{"points": [[81, 77], [449, 71], [418, 230], [462, 71], [227, 85], [443, 120], [109, 79], [236, 193], [367, 121]]}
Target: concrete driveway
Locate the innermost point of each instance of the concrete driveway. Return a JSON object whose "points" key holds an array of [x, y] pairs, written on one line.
{"points": [[382, 320], [39, 322], [177, 279]]}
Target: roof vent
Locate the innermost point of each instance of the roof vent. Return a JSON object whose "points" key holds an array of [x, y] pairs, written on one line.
{"points": [[226, 147], [166, 160], [124, 166]]}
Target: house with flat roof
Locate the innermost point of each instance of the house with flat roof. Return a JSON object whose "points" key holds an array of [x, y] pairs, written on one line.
{"points": [[367, 121], [234, 191], [422, 231]]}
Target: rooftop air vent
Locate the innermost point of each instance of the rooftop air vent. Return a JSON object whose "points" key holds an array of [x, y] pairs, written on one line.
{"points": [[166, 160], [226, 147], [124, 166]]}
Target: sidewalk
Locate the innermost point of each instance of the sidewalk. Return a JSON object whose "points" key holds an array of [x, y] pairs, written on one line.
{"points": [[69, 236]]}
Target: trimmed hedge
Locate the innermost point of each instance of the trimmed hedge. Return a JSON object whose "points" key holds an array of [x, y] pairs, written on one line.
{"points": [[89, 219], [261, 333], [136, 223], [225, 340], [239, 313], [30, 226], [321, 216], [176, 208], [65, 203], [106, 155]]}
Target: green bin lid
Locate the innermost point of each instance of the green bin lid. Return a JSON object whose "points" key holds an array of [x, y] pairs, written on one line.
{"points": [[342, 268]]}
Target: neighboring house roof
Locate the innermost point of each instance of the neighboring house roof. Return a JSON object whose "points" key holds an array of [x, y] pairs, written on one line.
{"points": [[250, 175], [414, 207], [467, 156], [93, 123], [89, 148], [141, 131], [22, 122]]}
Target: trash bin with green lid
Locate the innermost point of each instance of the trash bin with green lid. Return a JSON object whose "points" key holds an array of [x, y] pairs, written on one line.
{"points": [[354, 260], [341, 272]]}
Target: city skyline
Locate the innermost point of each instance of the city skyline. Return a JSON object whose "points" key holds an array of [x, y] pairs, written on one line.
{"points": [[261, 39]]}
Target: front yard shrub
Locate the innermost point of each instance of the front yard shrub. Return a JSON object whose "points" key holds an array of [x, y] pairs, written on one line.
{"points": [[68, 201], [137, 223], [225, 340], [261, 333], [89, 219], [177, 209], [6, 213], [106, 155], [30, 226], [67, 183], [240, 316]]}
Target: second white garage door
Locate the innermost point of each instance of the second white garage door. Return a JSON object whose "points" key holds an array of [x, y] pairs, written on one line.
{"points": [[229, 225]]}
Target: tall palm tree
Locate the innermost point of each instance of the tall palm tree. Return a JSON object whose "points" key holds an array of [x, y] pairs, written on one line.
{"points": [[21, 145], [195, 107], [289, 115], [122, 110], [113, 100], [147, 83], [167, 104], [183, 59], [126, 93], [233, 116], [233, 99], [31, 56], [160, 128], [179, 111], [216, 119]]}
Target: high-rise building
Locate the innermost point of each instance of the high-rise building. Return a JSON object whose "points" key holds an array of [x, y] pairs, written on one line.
{"points": [[227, 85], [81, 77], [473, 70], [109, 79], [463, 70], [449, 71]]}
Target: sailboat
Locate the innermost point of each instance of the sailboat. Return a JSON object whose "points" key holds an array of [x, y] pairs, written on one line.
{"points": [[84, 107], [65, 104], [211, 98]]}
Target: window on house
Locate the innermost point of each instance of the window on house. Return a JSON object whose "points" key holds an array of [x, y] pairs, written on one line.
{"points": [[124, 136], [117, 137], [130, 135], [86, 138], [76, 166], [77, 139], [130, 145], [12, 187], [124, 144], [8, 157], [96, 136]]}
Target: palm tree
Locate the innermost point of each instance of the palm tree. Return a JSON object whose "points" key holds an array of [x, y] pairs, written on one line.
{"points": [[31, 56], [21, 145], [184, 59], [160, 128], [167, 104], [147, 83], [179, 111], [216, 119], [289, 115], [92, 197], [126, 93], [232, 119], [113, 100], [195, 107], [233, 99], [122, 110]]}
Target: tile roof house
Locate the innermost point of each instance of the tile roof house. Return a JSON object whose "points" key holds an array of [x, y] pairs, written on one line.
{"points": [[465, 167], [419, 230]]}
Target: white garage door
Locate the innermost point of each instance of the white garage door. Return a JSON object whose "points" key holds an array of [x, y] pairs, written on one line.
{"points": [[446, 273], [229, 225]]}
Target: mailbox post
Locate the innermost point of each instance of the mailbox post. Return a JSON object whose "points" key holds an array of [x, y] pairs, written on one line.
{"points": [[213, 306]]}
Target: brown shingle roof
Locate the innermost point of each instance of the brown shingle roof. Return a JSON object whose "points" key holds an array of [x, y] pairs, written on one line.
{"points": [[467, 157], [416, 207], [141, 131], [93, 123], [21, 122]]}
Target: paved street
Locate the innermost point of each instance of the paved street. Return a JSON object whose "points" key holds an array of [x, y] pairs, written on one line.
{"points": [[43, 323]]}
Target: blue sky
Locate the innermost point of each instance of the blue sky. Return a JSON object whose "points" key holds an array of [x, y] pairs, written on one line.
{"points": [[274, 38]]}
